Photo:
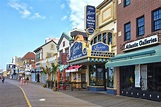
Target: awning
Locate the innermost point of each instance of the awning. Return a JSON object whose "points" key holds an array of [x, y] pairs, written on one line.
{"points": [[73, 68], [144, 56], [62, 67]]}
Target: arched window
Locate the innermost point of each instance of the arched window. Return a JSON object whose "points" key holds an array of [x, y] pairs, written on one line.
{"points": [[105, 37]]}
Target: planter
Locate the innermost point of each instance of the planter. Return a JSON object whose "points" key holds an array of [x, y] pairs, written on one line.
{"points": [[55, 88]]}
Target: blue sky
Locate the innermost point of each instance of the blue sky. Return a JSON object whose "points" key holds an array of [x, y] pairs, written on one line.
{"points": [[24, 24]]}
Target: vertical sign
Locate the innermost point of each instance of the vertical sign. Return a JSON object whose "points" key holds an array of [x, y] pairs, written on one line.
{"points": [[90, 19]]}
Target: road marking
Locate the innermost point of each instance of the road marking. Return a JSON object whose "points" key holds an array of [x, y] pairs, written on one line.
{"points": [[27, 100], [42, 99]]}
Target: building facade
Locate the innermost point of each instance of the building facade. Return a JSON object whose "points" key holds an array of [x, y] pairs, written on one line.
{"points": [[138, 62], [45, 55], [94, 52]]}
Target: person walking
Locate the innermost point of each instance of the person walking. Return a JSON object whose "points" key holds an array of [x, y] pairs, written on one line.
{"points": [[27, 80], [3, 79]]}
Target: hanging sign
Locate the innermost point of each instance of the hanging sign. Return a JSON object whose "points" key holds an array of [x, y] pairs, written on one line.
{"points": [[90, 19]]}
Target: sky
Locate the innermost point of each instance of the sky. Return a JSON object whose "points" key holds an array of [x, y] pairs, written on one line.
{"points": [[25, 24]]}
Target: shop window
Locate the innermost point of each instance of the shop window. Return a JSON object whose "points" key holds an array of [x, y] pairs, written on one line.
{"points": [[140, 30], [92, 75], [153, 78], [156, 20], [127, 77], [110, 77], [127, 30], [99, 38], [126, 3], [96, 75], [109, 38], [104, 38]]}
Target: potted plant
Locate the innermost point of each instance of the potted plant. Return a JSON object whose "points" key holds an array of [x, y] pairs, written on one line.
{"points": [[54, 72]]}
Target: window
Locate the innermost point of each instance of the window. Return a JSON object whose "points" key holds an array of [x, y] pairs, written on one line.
{"points": [[99, 38], [95, 39], [104, 38], [140, 26], [109, 37], [156, 20], [63, 43], [127, 30], [96, 75], [67, 50], [126, 3], [110, 77], [52, 46]]}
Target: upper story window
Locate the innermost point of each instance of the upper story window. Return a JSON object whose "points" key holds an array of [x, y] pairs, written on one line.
{"points": [[104, 38], [95, 39], [140, 26], [52, 46], [38, 57], [99, 38], [156, 20], [109, 37], [63, 43], [127, 30], [67, 50], [126, 2]]}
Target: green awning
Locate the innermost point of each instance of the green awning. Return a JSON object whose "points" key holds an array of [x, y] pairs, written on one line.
{"points": [[143, 56], [62, 67]]}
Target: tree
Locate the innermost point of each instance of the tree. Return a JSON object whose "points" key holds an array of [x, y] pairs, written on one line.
{"points": [[54, 69], [47, 71]]}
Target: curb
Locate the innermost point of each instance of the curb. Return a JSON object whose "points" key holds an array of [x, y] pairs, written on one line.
{"points": [[27, 100]]}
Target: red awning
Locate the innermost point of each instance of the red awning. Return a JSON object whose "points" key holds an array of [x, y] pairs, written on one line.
{"points": [[73, 68]]}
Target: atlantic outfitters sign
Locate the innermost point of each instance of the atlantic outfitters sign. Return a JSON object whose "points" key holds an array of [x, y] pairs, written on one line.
{"points": [[142, 42]]}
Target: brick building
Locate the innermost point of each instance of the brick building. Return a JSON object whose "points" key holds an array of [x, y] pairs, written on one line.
{"points": [[138, 62]]}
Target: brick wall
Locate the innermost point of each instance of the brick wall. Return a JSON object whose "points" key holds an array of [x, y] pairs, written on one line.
{"points": [[130, 13]]}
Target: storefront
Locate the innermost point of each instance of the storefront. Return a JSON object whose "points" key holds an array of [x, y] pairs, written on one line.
{"points": [[139, 69], [92, 58]]}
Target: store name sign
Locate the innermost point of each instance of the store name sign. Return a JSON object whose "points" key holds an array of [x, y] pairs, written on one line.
{"points": [[142, 42], [100, 47], [76, 51], [90, 19]]}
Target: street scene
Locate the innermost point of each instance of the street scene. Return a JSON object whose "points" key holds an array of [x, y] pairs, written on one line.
{"points": [[80, 53]]}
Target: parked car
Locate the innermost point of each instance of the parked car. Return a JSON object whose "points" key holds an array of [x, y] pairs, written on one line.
{"points": [[0, 76]]}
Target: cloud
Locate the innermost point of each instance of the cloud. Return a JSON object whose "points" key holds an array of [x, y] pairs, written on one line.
{"points": [[77, 11], [62, 6], [24, 10], [64, 17]]}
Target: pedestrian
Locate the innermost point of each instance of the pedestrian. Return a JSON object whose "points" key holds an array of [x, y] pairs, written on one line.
{"points": [[27, 80], [3, 79]]}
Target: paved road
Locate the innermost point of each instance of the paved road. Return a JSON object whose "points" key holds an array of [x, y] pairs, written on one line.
{"points": [[11, 96], [76, 98]]}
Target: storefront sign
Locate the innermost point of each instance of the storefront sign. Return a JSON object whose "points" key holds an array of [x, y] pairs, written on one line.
{"points": [[90, 19], [100, 47], [142, 42], [76, 51]]}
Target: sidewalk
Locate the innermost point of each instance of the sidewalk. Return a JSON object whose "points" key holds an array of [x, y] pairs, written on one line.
{"points": [[44, 97], [11, 96], [82, 98]]}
